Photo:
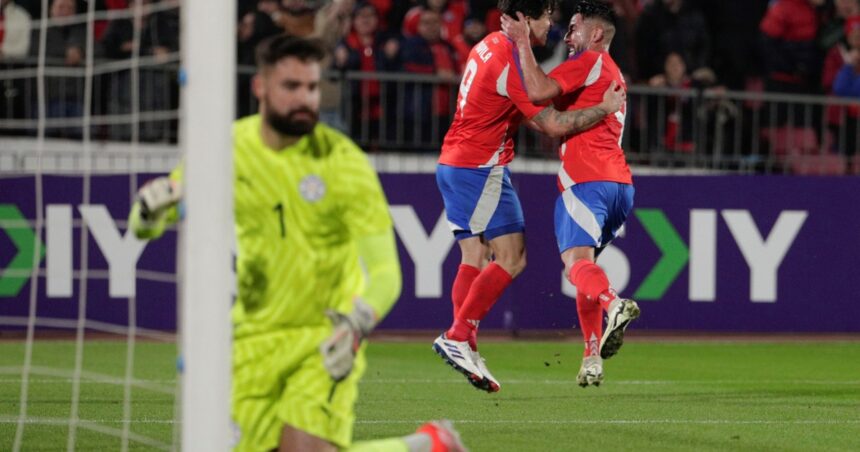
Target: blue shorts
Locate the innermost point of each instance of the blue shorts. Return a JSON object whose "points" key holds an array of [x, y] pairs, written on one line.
{"points": [[591, 213], [480, 201]]}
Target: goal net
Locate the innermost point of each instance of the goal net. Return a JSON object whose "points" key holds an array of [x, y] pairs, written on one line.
{"points": [[94, 346]]}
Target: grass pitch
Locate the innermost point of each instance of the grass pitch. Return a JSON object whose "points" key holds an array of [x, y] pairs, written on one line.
{"points": [[661, 396]]}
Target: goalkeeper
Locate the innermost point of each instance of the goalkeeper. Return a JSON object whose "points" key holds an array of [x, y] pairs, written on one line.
{"points": [[317, 265]]}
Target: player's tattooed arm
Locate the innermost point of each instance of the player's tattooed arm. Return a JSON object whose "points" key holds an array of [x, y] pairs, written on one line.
{"points": [[539, 87], [556, 124]]}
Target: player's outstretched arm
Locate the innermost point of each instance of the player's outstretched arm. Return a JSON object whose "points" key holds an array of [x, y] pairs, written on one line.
{"points": [[155, 207], [556, 123], [539, 87]]}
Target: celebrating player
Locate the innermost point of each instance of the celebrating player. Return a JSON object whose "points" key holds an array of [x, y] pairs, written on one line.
{"points": [[595, 182], [308, 206], [480, 202]]}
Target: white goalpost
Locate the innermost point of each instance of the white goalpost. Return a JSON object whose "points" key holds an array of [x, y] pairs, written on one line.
{"points": [[86, 324], [208, 92]]}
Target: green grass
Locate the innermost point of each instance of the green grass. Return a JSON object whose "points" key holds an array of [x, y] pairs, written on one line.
{"points": [[669, 396]]}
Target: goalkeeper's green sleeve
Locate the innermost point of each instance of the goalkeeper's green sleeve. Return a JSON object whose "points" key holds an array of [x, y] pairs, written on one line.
{"points": [[379, 254]]}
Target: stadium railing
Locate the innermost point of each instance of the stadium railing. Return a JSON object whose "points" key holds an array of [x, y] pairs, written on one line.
{"points": [[742, 132]]}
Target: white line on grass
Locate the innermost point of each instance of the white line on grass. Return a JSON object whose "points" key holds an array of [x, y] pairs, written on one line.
{"points": [[618, 382], [628, 422], [64, 422], [117, 380]]}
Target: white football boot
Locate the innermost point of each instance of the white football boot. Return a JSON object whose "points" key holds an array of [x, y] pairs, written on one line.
{"points": [[591, 371], [459, 356], [490, 382], [621, 312]]}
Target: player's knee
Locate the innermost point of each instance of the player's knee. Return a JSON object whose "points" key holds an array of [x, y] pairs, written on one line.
{"points": [[514, 263]]}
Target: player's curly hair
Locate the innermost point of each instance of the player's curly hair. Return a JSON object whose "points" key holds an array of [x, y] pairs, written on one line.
{"points": [[276, 48], [529, 8], [596, 9]]}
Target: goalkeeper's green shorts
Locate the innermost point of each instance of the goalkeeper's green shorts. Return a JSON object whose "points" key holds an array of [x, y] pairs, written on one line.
{"points": [[279, 378]]}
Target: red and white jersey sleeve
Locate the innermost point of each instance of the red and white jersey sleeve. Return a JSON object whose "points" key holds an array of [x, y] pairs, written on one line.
{"points": [[490, 106], [595, 154]]}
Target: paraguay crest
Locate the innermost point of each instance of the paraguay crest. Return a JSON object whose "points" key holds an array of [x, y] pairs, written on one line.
{"points": [[312, 188]]}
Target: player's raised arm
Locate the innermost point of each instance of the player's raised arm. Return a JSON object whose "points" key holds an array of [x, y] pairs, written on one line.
{"points": [[557, 123], [155, 206], [539, 87]]}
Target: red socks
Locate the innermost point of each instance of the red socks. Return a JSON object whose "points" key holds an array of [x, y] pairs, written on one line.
{"points": [[591, 280], [485, 291], [591, 323], [466, 275]]}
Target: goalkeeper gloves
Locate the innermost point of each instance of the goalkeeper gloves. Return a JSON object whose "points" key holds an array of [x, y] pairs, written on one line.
{"points": [[348, 331], [158, 195]]}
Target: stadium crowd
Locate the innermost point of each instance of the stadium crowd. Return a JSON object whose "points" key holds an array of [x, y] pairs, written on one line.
{"points": [[786, 46]]}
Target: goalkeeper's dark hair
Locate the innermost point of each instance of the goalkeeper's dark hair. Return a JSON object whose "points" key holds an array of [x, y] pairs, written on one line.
{"points": [[529, 8], [597, 9], [272, 50]]}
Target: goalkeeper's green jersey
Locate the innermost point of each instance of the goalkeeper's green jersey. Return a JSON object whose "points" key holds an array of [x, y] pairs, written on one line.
{"points": [[298, 213]]}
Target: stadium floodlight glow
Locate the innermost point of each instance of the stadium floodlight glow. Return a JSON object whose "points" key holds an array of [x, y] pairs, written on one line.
{"points": [[208, 87]]}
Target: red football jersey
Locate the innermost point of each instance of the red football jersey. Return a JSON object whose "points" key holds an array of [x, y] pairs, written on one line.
{"points": [[490, 106], [595, 154]]}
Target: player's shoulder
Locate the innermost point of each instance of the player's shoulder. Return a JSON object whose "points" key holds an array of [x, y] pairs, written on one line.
{"points": [[586, 57], [333, 142], [244, 126], [493, 45]]}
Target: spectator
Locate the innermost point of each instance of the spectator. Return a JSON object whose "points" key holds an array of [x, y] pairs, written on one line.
{"points": [[733, 57], [847, 84], [678, 110], [671, 25], [65, 42], [622, 45], [312, 19], [366, 49], [428, 53], [253, 27], [831, 31], [272, 8], [14, 30], [159, 38], [159, 35], [788, 35], [838, 45], [474, 29], [452, 14], [101, 26]]}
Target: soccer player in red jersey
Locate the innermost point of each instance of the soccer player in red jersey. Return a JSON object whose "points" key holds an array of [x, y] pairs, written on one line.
{"points": [[481, 205], [595, 182]]}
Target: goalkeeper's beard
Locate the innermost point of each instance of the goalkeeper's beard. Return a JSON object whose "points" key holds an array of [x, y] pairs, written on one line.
{"points": [[288, 125]]}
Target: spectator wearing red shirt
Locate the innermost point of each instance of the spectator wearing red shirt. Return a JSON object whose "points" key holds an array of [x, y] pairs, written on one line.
{"points": [[452, 14], [474, 30], [788, 31], [366, 49], [428, 53], [678, 110]]}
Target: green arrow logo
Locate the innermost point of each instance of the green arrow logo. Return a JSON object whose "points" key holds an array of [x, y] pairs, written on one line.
{"points": [[25, 241], [675, 254]]}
